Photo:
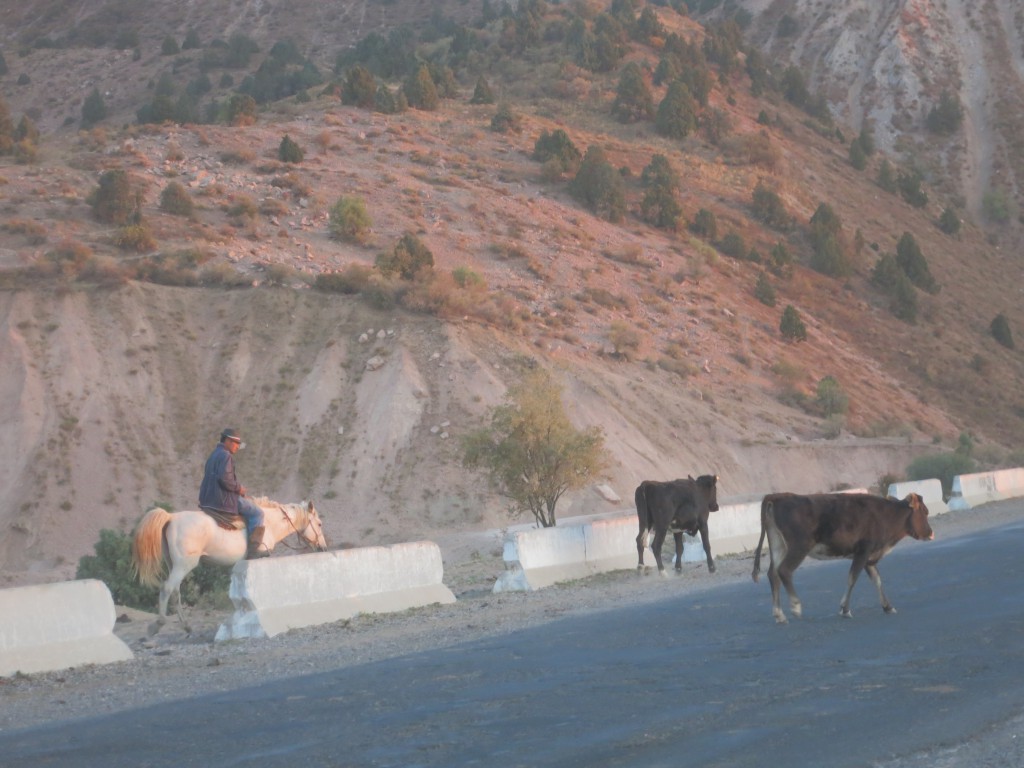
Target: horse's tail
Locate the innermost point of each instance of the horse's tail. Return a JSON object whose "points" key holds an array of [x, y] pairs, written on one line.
{"points": [[148, 546], [766, 505]]}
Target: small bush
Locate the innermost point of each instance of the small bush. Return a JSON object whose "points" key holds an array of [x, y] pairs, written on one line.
{"points": [[112, 564], [831, 398], [349, 221], [135, 237], [944, 466], [353, 279], [176, 200], [791, 326], [1000, 329], [289, 151], [764, 291], [409, 259]]}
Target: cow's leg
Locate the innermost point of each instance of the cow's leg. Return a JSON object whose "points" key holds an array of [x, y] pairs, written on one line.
{"points": [[641, 545], [877, 578], [786, 569], [659, 539], [855, 568], [678, 536], [777, 553], [706, 541]]}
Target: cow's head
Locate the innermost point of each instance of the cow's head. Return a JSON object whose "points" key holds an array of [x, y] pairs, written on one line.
{"points": [[707, 485], [917, 523]]}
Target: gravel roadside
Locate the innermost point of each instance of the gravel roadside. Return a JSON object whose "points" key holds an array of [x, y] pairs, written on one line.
{"points": [[175, 665]]}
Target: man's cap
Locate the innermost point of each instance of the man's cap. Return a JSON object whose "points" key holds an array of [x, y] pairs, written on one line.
{"points": [[230, 434]]}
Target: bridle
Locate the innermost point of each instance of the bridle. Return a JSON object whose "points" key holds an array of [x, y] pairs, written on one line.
{"points": [[296, 530]]}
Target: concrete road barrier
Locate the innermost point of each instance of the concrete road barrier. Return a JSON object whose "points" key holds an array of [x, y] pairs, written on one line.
{"points": [[55, 626], [984, 487], [274, 595], [929, 490]]}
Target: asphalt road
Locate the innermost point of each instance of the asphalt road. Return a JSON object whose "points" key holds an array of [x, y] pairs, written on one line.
{"points": [[706, 680]]}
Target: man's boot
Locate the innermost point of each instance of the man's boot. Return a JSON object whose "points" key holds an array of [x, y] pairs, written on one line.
{"points": [[256, 548]]}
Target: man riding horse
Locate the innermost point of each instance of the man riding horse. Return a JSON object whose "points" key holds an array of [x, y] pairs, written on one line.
{"points": [[220, 491]]}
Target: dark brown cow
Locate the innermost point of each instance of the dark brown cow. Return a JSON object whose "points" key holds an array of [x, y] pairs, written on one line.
{"points": [[857, 526], [681, 506]]}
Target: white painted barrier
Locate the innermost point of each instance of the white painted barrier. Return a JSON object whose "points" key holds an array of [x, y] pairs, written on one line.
{"points": [[929, 490], [274, 595], [983, 487], [56, 626]]}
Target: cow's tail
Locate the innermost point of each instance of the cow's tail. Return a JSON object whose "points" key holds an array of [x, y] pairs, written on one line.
{"points": [[642, 514], [766, 505]]}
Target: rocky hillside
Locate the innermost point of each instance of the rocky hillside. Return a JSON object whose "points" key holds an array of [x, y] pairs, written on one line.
{"points": [[113, 389], [888, 63]]}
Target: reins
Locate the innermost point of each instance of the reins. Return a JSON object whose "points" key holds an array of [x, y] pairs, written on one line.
{"points": [[295, 528]]}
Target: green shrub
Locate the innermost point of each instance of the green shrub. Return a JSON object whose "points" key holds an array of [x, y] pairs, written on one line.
{"points": [[949, 221], [831, 398], [176, 200], [409, 258], [506, 120], [289, 151], [348, 220], [135, 237], [114, 201], [112, 564], [791, 326], [1000, 329], [943, 466], [764, 291]]}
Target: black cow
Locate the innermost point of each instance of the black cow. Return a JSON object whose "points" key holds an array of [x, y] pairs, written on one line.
{"points": [[857, 526], [681, 506]]}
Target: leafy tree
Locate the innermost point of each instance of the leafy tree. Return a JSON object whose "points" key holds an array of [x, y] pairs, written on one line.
{"points": [[531, 450], [676, 117], [348, 220], [858, 158], [943, 466], [114, 201], [888, 276], [831, 398], [909, 185], [191, 40], [633, 100], [705, 224], [791, 326], [506, 120], [94, 109], [912, 262], [769, 209], [482, 93], [716, 125], [390, 102], [886, 177], [169, 47], [1000, 329], [829, 253], [359, 88], [733, 245], [289, 151], [409, 259], [599, 186], [176, 200], [949, 221], [241, 110], [558, 148], [764, 291], [794, 87], [660, 205], [780, 260], [421, 91], [946, 116]]}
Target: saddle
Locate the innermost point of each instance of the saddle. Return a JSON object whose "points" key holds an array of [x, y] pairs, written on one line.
{"points": [[229, 521]]}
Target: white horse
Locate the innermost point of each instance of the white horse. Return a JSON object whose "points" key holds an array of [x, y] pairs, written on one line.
{"points": [[181, 538]]}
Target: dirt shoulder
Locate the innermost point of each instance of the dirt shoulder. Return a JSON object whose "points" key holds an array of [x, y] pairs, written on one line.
{"points": [[176, 665]]}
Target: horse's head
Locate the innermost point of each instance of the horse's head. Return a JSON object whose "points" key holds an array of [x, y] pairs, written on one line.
{"points": [[313, 533]]}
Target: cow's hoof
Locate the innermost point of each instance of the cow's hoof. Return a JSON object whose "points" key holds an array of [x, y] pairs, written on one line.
{"points": [[889, 609], [845, 613], [711, 567], [679, 570], [781, 620], [662, 572]]}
